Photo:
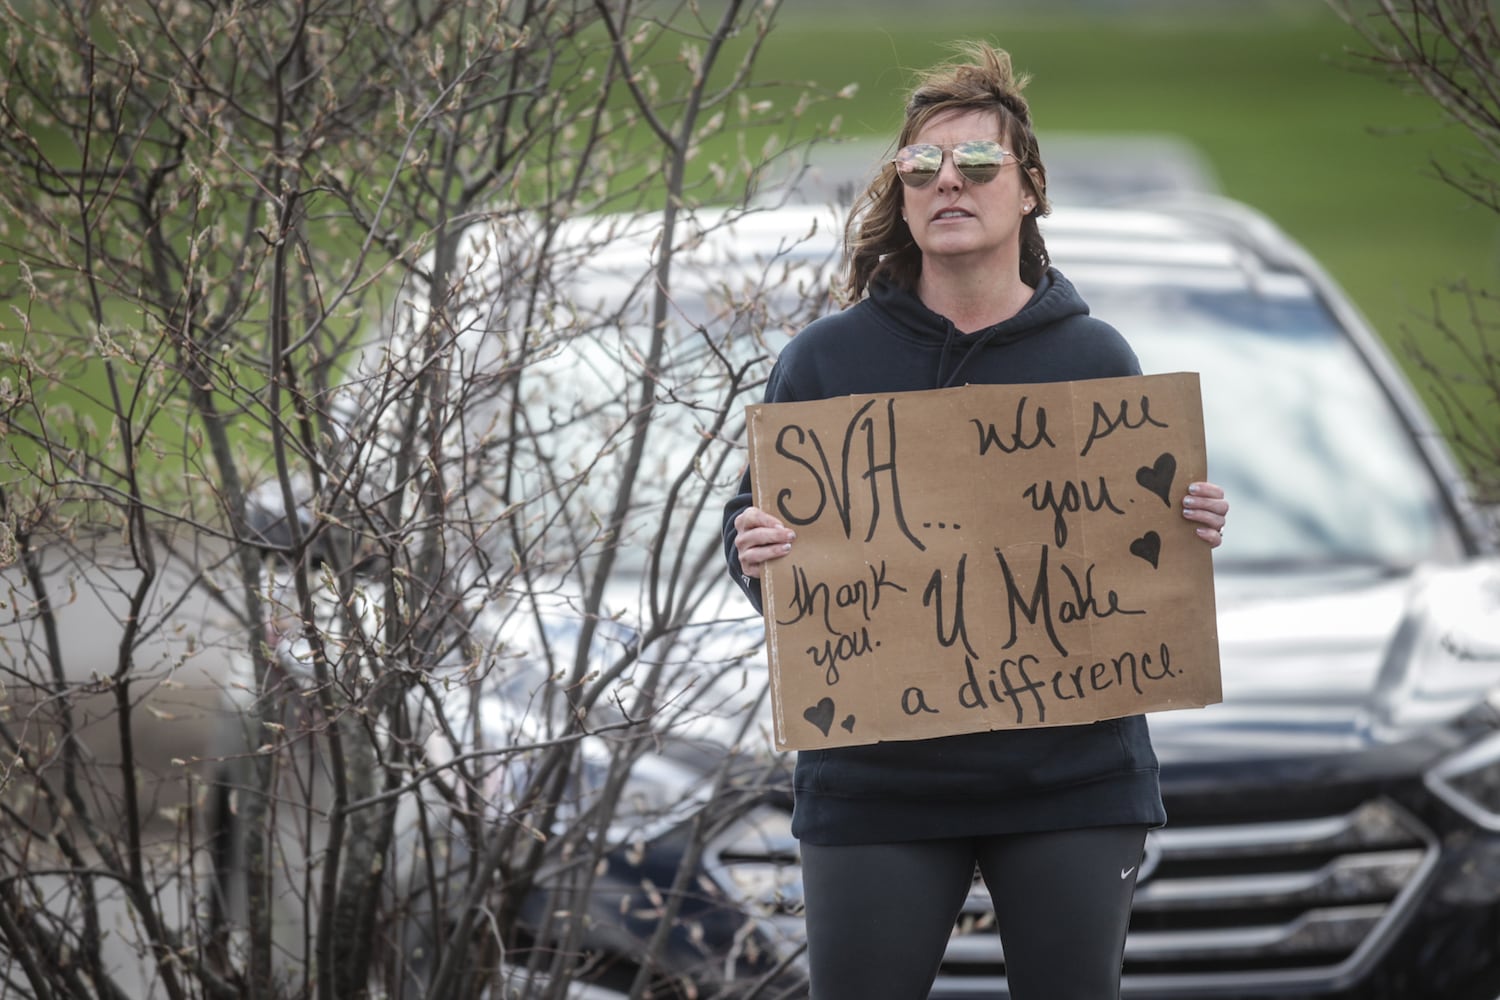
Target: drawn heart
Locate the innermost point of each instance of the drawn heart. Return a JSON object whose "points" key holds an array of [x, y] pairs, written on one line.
{"points": [[821, 715], [1158, 478], [848, 724], [1148, 547]]}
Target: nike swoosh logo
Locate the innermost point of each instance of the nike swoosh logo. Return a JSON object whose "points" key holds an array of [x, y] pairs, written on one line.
{"points": [[1125, 872]]}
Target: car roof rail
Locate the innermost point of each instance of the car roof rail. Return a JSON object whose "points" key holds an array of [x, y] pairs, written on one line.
{"points": [[1238, 223]]}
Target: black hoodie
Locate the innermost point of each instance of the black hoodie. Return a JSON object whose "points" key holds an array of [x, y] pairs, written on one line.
{"points": [[1006, 781]]}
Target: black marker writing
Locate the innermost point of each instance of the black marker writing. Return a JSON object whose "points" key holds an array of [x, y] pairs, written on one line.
{"points": [[839, 648], [1084, 604], [838, 490], [1040, 605], [1069, 500], [914, 702], [971, 694], [818, 598], [932, 597], [989, 435], [1104, 425], [1103, 676], [1037, 609]]}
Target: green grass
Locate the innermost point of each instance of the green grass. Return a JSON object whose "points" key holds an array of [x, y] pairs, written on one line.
{"points": [[1271, 94]]}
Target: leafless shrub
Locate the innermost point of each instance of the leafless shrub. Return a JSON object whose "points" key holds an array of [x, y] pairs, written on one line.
{"points": [[1449, 51], [374, 379]]}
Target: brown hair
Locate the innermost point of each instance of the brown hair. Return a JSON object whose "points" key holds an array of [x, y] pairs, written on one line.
{"points": [[877, 238]]}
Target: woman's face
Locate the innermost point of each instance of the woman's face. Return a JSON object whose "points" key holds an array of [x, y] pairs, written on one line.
{"points": [[959, 221]]}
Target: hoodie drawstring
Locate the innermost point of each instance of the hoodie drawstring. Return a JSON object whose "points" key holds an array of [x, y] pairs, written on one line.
{"points": [[976, 344], [949, 337]]}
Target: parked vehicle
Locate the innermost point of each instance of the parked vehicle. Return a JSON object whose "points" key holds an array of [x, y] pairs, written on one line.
{"points": [[1335, 823]]}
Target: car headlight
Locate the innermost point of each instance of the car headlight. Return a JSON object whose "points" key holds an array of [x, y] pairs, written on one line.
{"points": [[1469, 781]]}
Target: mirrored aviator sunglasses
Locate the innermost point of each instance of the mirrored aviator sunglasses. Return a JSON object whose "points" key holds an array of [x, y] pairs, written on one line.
{"points": [[978, 160]]}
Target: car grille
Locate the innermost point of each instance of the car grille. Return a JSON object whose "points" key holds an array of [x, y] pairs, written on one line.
{"points": [[1276, 905]]}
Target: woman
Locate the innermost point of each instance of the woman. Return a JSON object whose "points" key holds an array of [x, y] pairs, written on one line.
{"points": [[951, 284]]}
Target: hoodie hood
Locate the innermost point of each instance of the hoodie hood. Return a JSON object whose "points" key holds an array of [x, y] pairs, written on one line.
{"points": [[1054, 300], [890, 341]]}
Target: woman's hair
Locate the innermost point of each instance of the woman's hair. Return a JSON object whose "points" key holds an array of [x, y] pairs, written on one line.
{"points": [[877, 238]]}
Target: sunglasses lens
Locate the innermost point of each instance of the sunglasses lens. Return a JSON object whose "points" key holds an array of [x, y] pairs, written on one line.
{"points": [[979, 160], [918, 165]]}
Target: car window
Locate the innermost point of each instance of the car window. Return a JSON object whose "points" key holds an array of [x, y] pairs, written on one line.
{"points": [[1317, 463]]}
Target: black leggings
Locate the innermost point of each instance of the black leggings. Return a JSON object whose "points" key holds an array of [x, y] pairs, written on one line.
{"points": [[879, 915]]}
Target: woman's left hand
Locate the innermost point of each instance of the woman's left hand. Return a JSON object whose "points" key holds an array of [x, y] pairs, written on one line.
{"points": [[1205, 505]]}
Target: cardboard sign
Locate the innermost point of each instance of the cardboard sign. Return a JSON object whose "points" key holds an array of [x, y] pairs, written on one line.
{"points": [[984, 557]]}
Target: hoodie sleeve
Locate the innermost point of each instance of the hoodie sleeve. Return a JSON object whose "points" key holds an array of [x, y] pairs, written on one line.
{"points": [[737, 503], [778, 390]]}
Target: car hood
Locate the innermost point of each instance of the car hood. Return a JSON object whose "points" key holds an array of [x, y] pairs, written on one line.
{"points": [[1332, 662]]}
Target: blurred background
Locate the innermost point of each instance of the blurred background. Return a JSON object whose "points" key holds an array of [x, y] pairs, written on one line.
{"points": [[1272, 99]]}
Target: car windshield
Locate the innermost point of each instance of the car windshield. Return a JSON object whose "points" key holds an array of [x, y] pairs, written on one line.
{"points": [[1318, 465]]}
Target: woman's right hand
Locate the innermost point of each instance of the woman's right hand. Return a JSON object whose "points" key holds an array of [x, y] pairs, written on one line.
{"points": [[759, 538]]}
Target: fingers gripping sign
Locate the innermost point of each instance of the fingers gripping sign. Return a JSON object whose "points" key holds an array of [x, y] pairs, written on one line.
{"points": [[1205, 504], [758, 539]]}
